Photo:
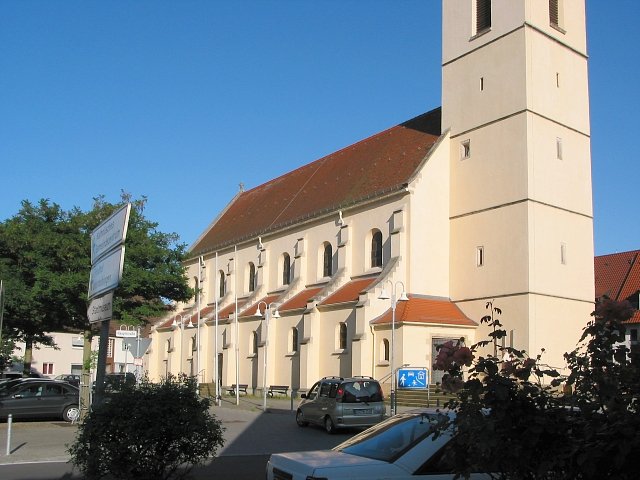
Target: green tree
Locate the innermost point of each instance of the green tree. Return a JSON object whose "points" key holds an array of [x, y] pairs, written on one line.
{"points": [[150, 431], [518, 418], [45, 262]]}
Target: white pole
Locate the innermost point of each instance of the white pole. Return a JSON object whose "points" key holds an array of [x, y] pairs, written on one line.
{"points": [[215, 362], [200, 261], [1, 309], [235, 293], [267, 314], [9, 422], [393, 344]]}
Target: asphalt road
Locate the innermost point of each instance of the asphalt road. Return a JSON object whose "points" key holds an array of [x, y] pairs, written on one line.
{"points": [[38, 449]]}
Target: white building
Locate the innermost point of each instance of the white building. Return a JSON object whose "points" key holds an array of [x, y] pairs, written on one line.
{"points": [[486, 198]]}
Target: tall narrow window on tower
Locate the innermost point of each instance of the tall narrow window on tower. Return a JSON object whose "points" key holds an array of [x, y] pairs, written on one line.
{"points": [[553, 13], [483, 16]]}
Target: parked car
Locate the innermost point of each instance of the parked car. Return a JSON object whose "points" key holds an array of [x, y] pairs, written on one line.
{"points": [[336, 402], [402, 447], [39, 398], [113, 382], [71, 378]]}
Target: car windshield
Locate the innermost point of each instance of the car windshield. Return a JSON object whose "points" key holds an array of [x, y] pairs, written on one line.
{"points": [[391, 438], [362, 391], [8, 385]]}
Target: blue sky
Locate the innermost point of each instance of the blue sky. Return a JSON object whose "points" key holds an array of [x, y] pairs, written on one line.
{"points": [[181, 101]]}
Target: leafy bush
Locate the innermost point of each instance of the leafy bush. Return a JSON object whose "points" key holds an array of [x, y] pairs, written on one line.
{"points": [[519, 418], [148, 431]]}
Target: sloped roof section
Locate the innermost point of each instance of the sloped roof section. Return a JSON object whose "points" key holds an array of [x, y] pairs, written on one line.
{"points": [[380, 164], [426, 310], [612, 273], [300, 300], [618, 278], [253, 309], [350, 292]]}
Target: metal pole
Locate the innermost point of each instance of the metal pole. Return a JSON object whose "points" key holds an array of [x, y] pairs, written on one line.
{"points": [[237, 346], [267, 313], [1, 310], [215, 362], [9, 423], [102, 362], [200, 262], [393, 346], [181, 342]]}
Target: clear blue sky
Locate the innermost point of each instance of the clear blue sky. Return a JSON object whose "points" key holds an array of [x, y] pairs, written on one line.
{"points": [[181, 101]]}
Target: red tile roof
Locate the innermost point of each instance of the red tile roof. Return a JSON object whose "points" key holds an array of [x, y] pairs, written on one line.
{"points": [[618, 278], [301, 299], [380, 164], [269, 299], [230, 309], [426, 310], [349, 292]]}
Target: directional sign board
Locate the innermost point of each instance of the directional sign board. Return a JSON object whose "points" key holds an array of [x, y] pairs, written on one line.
{"points": [[126, 333], [106, 273], [413, 378], [110, 233], [100, 308], [137, 346]]}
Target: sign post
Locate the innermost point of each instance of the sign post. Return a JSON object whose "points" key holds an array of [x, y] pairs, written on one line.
{"points": [[107, 261], [414, 379]]}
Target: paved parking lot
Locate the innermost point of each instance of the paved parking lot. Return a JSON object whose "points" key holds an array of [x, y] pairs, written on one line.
{"points": [[248, 432]]}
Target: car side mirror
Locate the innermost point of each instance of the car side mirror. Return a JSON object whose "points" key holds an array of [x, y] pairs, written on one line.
{"points": [[303, 395]]}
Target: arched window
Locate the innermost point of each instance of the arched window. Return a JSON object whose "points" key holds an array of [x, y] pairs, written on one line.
{"points": [[286, 269], [252, 277], [384, 350], [376, 249], [342, 336], [222, 280], [327, 260], [194, 344], [169, 346], [294, 339]]}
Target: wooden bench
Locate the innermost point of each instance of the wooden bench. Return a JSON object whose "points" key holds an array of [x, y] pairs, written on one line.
{"points": [[242, 388], [283, 389]]}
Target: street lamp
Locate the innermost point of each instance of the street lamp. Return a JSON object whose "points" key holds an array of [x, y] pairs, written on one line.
{"points": [[394, 301], [180, 325], [267, 316]]}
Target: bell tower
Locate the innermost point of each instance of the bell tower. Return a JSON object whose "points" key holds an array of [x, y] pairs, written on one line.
{"points": [[515, 100]]}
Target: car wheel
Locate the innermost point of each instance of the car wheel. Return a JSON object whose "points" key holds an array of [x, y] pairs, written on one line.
{"points": [[300, 419], [71, 413], [329, 426]]}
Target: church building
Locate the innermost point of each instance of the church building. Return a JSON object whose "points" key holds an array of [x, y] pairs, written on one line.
{"points": [[364, 261]]}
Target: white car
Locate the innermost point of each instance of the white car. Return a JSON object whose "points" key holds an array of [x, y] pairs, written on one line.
{"points": [[401, 447]]}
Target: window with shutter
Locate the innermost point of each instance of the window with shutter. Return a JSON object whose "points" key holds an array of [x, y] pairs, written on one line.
{"points": [[483, 15], [554, 17]]}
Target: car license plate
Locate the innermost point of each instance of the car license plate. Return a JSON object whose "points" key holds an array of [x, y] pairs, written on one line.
{"points": [[363, 411]]}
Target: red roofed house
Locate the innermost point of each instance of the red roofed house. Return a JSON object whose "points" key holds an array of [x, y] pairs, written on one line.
{"points": [[487, 198], [618, 278]]}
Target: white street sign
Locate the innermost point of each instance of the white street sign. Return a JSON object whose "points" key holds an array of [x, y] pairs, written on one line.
{"points": [[110, 233], [106, 273], [100, 308], [126, 333]]}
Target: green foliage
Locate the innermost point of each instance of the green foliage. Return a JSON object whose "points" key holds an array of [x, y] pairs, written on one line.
{"points": [[517, 417], [45, 260], [149, 431]]}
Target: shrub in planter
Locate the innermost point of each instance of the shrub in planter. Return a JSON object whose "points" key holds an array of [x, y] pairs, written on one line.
{"points": [[149, 431]]}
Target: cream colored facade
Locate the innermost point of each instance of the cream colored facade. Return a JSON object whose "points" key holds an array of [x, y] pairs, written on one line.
{"points": [[516, 98]]}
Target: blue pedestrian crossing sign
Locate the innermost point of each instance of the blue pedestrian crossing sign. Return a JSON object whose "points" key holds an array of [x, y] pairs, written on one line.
{"points": [[413, 378]]}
